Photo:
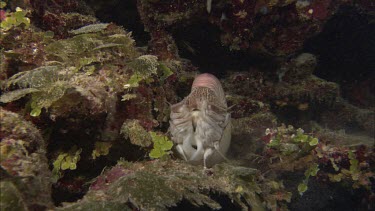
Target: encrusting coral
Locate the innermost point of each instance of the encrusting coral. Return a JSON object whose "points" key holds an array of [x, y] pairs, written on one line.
{"points": [[291, 85], [76, 85], [268, 26], [137, 184], [25, 178]]}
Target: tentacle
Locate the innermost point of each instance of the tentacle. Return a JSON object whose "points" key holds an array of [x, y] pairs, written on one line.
{"points": [[209, 124], [199, 153], [207, 133], [207, 153], [215, 116], [180, 114], [180, 123], [181, 120], [218, 150], [180, 132], [187, 146], [226, 121], [181, 151]]}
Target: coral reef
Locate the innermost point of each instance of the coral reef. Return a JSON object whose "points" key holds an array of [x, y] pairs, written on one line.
{"points": [[85, 105], [71, 88], [349, 117], [25, 178], [135, 185], [325, 158], [132, 130], [291, 84], [271, 27], [60, 16]]}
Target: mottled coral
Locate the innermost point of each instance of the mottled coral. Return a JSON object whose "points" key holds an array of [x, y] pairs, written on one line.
{"points": [[292, 84], [157, 16], [342, 115], [75, 85], [275, 27], [60, 16], [132, 130], [159, 185], [292, 150], [23, 159]]}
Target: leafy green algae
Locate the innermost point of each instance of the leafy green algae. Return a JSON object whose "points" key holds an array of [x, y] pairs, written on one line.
{"points": [[65, 161], [162, 145], [46, 85], [14, 19], [90, 28], [69, 63], [101, 148]]}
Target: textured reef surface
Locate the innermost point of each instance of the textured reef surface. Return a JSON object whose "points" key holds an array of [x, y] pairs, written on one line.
{"points": [[87, 87]]}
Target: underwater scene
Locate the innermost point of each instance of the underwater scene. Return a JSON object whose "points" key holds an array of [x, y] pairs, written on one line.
{"points": [[187, 105]]}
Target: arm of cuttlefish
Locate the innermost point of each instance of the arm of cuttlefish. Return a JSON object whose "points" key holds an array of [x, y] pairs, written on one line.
{"points": [[199, 151], [208, 152], [181, 151], [186, 149], [217, 148]]}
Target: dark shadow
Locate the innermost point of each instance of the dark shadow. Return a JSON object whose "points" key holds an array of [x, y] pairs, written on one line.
{"points": [[200, 42], [346, 52], [123, 13]]}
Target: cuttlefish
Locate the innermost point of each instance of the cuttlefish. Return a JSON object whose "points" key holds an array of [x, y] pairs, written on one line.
{"points": [[200, 124]]}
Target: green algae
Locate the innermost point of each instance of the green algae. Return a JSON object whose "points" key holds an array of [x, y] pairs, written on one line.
{"points": [[93, 28], [101, 149], [73, 59], [66, 161], [15, 19], [162, 145]]}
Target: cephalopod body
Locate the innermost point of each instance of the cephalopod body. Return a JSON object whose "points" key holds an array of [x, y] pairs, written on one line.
{"points": [[200, 123]]}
